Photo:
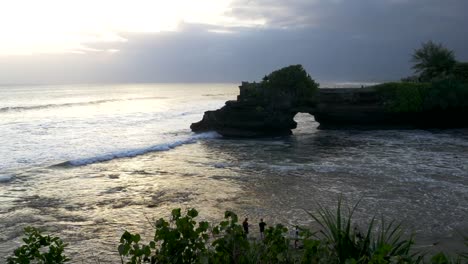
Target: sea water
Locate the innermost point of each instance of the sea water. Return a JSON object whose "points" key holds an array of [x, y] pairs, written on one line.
{"points": [[86, 162]]}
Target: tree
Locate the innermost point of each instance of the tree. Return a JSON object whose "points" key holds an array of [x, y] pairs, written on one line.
{"points": [[433, 60]]}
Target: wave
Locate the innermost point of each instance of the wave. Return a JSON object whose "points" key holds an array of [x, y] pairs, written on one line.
{"points": [[218, 94], [45, 106], [137, 152]]}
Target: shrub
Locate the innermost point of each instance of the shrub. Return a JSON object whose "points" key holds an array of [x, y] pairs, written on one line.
{"points": [[460, 71], [39, 249], [286, 87], [232, 245], [183, 240], [402, 97], [276, 245], [179, 241], [293, 81], [348, 245], [446, 94]]}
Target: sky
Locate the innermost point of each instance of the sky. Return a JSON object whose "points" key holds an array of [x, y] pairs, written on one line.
{"points": [[142, 41]]}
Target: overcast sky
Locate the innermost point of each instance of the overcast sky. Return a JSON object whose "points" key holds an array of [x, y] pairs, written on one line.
{"points": [[59, 41]]}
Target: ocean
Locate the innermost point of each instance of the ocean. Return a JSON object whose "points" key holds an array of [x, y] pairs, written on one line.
{"points": [[86, 162]]}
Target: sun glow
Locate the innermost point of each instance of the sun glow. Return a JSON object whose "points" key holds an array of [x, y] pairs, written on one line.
{"points": [[62, 26]]}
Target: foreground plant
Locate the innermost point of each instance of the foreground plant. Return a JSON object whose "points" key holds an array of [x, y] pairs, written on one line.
{"points": [[179, 241], [184, 240], [231, 244], [39, 249], [348, 245]]}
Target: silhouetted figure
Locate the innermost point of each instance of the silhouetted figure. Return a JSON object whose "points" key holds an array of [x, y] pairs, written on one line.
{"points": [[245, 225], [296, 236], [358, 234], [262, 228]]}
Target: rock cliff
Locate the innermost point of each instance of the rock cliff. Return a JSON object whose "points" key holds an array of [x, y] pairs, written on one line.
{"points": [[268, 108], [263, 109]]}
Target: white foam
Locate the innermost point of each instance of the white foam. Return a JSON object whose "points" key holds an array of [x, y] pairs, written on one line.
{"points": [[45, 106], [220, 165], [136, 152], [285, 167]]}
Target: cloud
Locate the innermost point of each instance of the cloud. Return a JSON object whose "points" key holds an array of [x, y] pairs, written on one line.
{"points": [[56, 26], [361, 40], [363, 16]]}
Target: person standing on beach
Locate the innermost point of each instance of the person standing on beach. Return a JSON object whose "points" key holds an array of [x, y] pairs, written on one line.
{"points": [[245, 225], [262, 228], [296, 236]]}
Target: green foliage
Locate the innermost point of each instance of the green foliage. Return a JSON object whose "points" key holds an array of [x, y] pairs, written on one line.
{"points": [[276, 245], [447, 94], [292, 80], [433, 61], [39, 249], [388, 245], [232, 244], [179, 241], [183, 240], [403, 97], [129, 246], [348, 245], [442, 258], [284, 88], [410, 79], [464, 255], [293, 77], [460, 71]]}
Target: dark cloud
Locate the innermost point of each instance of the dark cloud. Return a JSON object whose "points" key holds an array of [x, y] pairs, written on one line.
{"points": [[362, 40]]}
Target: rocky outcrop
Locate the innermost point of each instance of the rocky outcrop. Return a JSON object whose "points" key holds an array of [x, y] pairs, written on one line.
{"points": [[351, 108], [263, 109], [246, 119], [393, 106], [268, 108]]}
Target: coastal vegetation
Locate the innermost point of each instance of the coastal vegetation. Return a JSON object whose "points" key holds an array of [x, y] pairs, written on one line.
{"points": [[440, 95], [433, 61], [460, 71], [291, 85], [440, 83], [266, 108], [436, 97], [295, 79], [39, 249], [182, 239]]}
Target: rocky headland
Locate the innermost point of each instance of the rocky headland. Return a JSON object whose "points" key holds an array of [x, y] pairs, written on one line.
{"points": [[268, 108]]}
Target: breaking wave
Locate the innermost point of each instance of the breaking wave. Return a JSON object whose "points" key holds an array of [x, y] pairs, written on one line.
{"points": [[140, 151], [46, 106]]}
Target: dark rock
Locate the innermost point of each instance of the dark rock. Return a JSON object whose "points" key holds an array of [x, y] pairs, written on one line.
{"points": [[263, 109], [365, 108], [244, 120], [268, 108]]}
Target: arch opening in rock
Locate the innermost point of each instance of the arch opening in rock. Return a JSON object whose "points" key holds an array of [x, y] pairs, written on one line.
{"points": [[305, 123]]}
